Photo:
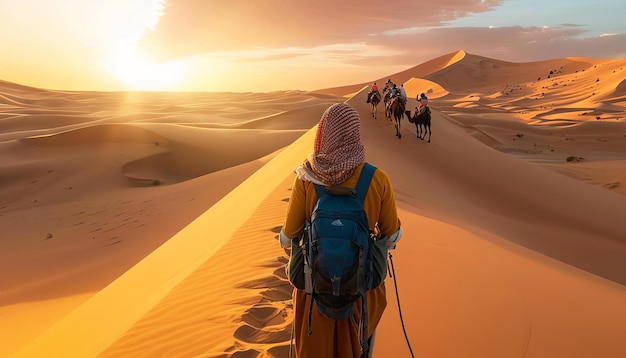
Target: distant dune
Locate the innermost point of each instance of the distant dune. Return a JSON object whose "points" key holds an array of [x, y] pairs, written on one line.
{"points": [[145, 224]]}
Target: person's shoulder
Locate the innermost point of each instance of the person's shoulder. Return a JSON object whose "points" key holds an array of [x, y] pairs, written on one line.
{"points": [[379, 174]]}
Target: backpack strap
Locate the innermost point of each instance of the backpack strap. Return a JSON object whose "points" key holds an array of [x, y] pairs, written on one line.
{"points": [[362, 186], [367, 173], [320, 190]]}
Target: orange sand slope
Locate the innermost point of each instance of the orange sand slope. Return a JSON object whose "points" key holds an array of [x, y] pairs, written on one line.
{"points": [[512, 247]]}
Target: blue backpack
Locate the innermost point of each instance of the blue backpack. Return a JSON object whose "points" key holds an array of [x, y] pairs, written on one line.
{"points": [[338, 263]]}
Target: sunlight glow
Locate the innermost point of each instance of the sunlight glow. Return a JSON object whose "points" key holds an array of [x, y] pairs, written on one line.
{"points": [[142, 74], [133, 69]]}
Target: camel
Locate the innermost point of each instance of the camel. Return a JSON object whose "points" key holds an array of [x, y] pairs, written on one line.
{"points": [[375, 100], [397, 108], [421, 118]]}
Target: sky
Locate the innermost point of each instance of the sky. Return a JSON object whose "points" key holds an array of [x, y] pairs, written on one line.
{"points": [[272, 45]]}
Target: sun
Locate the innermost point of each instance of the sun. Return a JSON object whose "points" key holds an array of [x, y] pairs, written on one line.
{"points": [[128, 65], [139, 73]]}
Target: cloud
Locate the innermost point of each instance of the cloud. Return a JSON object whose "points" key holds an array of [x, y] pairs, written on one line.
{"points": [[191, 27]]}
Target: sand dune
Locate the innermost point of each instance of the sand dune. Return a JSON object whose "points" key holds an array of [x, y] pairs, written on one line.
{"points": [[78, 200], [148, 228]]}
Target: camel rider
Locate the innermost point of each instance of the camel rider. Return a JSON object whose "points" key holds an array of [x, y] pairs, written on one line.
{"points": [[423, 103], [394, 91], [403, 93], [371, 92], [422, 99], [388, 85], [392, 96]]}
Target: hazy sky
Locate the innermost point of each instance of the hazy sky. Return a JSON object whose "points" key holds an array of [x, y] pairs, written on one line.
{"points": [[267, 45]]}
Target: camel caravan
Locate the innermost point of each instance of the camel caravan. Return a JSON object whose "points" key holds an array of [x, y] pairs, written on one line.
{"points": [[394, 100]]}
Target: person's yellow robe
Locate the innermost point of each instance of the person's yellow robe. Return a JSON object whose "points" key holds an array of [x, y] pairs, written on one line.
{"points": [[332, 338]]}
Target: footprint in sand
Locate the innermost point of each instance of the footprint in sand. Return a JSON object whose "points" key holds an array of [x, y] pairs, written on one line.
{"points": [[250, 334], [277, 287], [280, 351], [263, 315], [267, 323], [612, 185]]}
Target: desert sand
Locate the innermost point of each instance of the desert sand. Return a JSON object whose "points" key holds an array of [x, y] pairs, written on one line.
{"points": [[145, 224]]}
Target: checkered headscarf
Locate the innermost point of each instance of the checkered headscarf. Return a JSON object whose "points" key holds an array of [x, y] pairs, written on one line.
{"points": [[338, 149]]}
